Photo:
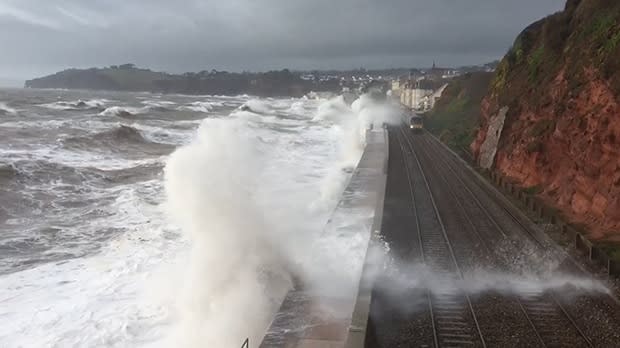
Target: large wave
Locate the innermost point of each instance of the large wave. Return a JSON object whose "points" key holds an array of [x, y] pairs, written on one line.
{"points": [[122, 133], [119, 138], [237, 268], [334, 110]]}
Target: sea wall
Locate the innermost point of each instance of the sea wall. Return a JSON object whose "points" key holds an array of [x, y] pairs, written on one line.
{"points": [[309, 315]]}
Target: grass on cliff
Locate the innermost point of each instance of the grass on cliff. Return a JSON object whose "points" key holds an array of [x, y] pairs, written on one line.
{"points": [[534, 61], [456, 115], [584, 39]]}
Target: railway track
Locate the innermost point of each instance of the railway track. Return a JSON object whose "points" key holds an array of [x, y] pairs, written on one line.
{"points": [[440, 213], [549, 320], [454, 321]]}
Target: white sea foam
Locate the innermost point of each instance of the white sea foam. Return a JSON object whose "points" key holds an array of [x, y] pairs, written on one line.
{"points": [[78, 159], [98, 300], [297, 107]]}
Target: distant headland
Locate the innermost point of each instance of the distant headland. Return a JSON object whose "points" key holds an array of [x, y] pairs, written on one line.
{"points": [[128, 77]]}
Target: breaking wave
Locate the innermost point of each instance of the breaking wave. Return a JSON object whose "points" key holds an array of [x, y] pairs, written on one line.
{"points": [[123, 111], [243, 259], [201, 106], [335, 110], [36, 172], [128, 111], [7, 110], [158, 103], [122, 133], [297, 108], [77, 104], [237, 271], [258, 107], [121, 138]]}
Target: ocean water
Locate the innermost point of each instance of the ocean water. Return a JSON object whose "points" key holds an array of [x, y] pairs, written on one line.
{"points": [[143, 220]]}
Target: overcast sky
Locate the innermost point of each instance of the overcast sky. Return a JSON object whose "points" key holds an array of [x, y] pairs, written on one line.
{"points": [[42, 36]]}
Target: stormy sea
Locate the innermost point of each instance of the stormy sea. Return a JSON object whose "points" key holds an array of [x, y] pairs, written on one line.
{"points": [[144, 220]]}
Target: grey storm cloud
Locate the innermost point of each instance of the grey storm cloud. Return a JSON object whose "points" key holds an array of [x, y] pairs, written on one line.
{"points": [[42, 36]]}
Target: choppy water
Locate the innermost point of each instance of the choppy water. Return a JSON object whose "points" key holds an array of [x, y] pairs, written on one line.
{"points": [[88, 253], [67, 161]]}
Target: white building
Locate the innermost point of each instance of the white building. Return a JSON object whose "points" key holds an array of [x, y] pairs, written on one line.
{"points": [[429, 101], [396, 87], [419, 94]]}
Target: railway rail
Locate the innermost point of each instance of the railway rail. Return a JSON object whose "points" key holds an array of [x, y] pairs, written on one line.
{"points": [[453, 319]]}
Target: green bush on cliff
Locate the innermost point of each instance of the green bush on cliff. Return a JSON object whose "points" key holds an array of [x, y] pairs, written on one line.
{"points": [[518, 51], [611, 44], [499, 81], [582, 40], [456, 115], [599, 26], [534, 62]]}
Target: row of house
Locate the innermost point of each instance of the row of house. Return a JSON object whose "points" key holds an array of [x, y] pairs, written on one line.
{"points": [[421, 89], [419, 95]]}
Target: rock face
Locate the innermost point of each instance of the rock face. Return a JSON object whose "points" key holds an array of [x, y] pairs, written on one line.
{"points": [[488, 148], [561, 136]]}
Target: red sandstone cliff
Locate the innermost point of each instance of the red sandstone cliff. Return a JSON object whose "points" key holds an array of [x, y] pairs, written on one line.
{"points": [[561, 134]]}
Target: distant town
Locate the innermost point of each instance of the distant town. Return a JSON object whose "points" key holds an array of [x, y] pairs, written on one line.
{"points": [[417, 89]]}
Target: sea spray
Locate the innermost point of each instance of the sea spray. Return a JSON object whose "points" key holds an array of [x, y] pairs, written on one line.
{"points": [[236, 265], [351, 123], [336, 269], [403, 286], [242, 262]]}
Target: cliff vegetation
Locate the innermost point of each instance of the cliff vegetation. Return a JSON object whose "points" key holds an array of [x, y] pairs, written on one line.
{"points": [[455, 117], [560, 82]]}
